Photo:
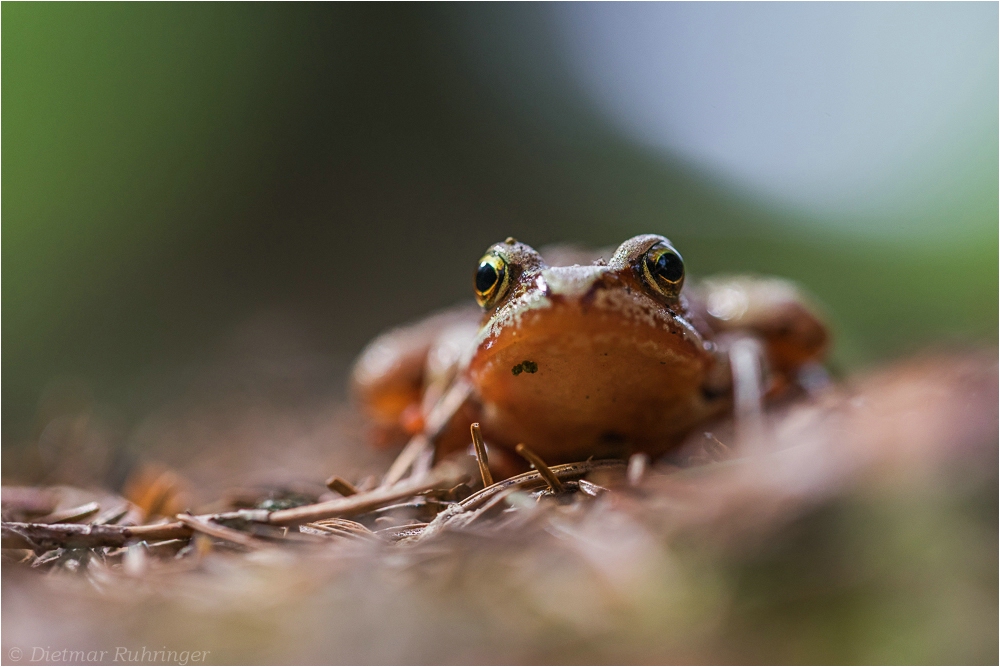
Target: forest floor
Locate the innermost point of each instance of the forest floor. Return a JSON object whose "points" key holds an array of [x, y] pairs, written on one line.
{"points": [[860, 526]]}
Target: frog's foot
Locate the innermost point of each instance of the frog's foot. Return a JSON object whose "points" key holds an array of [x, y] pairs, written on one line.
{"points": [[777, 312], [403, 372]]}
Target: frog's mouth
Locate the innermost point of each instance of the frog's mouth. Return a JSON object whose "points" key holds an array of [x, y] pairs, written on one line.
{"points": [[597, 371]]}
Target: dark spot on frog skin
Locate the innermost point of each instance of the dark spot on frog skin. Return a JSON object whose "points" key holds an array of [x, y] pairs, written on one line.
{"points": [[525, 367], [712, 394]]}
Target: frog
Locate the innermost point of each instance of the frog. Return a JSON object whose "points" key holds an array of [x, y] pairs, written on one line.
{"points": [[586, 359]]}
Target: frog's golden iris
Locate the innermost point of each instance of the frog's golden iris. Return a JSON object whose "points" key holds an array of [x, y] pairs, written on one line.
{"points": [[491, 279], [663, 269]]}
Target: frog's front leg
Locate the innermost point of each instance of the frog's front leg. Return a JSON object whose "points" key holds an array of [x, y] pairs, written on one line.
{"points": [[403, 373], [456, 405], [776, 312]]}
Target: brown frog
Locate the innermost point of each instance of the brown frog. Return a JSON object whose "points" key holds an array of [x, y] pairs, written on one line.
{"points": [[599, 360]]}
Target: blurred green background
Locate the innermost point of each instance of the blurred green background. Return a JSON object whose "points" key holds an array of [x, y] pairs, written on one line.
{"points": [[169, 172]]}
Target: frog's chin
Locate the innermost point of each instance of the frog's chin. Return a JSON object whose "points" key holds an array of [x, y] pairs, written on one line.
{"points": [[578, 377]]}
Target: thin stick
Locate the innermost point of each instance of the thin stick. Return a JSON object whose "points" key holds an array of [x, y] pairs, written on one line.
{"points": [[443, 476], [437, 419], [478, 503], [157, 531], [41, 536], [340, 525], [717, 449], [422, 465], [112, 516], [533, 479], [398, 533], [44, 537], [328, 531], [341, 486], [51, 536], [481, 457], [746, 358], [219, 531], [543, 470], [72, 514], [410, 453]]}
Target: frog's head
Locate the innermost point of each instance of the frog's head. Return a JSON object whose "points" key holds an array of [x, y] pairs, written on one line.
{"points": [[604, 351]]}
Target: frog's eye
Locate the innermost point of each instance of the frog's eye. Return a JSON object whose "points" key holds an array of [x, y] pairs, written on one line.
{"points": [[491, 279], [663, 269]]}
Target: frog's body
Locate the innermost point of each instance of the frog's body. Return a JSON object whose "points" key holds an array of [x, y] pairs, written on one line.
{"points": [[579, 361]]}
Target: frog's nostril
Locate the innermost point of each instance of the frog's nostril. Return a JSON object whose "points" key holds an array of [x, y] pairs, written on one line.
{"points": [[543, 287]]}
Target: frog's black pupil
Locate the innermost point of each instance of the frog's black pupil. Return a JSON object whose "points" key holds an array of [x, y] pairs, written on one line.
{"points": [[486, 277], [669, 267]]}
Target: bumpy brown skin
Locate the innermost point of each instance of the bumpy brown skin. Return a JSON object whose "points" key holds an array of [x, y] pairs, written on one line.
{"points": [[584, 361]]}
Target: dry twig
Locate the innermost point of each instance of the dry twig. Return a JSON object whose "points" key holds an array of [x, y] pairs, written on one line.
{"points": [[247, 527], [42, 537], [449, 403], [212, 529], [535, 460], [444, 476], [72, 514], [341, 486], [481, 456]]}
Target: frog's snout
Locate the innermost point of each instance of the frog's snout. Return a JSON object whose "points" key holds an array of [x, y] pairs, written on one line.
{"points": [[571, 281]]}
